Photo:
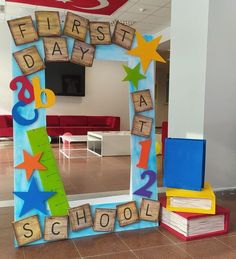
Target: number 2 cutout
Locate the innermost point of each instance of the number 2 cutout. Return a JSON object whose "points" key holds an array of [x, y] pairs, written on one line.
{"points": [[143, 191]]}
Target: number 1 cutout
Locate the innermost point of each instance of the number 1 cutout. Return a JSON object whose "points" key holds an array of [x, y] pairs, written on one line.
{"points": [[144, 155]]}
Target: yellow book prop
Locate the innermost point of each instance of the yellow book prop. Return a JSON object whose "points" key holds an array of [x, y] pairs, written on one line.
{"points": [[181, 200]]}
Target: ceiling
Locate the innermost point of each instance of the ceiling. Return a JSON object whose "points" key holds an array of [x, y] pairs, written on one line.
{"points": [[149, 16]]}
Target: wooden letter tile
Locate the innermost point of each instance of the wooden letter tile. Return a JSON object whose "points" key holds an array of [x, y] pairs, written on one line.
{"points": [[142, 101], [22, 30], [100, 33], [123, 35], [76, 26], [149, 210], [80, 217], [55, 228], [142, 126], [27, 230], [104, 220], [55, 49], [48, 23], [29, 60], [127, 213], [83, 54]]}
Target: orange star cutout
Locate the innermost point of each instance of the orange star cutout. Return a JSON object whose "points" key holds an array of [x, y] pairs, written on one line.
{"points": [[146, 51], [31, 163]]}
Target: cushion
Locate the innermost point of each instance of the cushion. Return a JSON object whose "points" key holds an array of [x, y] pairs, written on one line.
{"points": [[73, 121], [97, 121], [3, 121], [53, 120], [9, 120]]}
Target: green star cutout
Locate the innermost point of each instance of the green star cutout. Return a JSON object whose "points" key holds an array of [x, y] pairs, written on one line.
{"points": [[133, 75]]}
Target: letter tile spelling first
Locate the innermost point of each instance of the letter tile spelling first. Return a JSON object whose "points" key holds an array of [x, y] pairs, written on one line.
{"points": [[48, 23], [100, 33], [76, 26], [23, 30]]}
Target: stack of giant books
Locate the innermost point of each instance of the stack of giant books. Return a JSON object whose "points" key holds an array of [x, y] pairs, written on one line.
{"points": [[189, 209]]}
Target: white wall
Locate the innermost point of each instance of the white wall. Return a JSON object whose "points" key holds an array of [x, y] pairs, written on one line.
{"points": [[203, 64], [162, 73], [5, 69], [189, 27], [220, 104], [106, 94]]}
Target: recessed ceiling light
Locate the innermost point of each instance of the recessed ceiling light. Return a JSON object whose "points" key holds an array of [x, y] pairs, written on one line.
{"points": [[129, 23], [141, 9]]}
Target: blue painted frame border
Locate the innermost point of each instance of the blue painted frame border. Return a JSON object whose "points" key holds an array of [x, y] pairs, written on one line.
{"points": [[105, 52]]}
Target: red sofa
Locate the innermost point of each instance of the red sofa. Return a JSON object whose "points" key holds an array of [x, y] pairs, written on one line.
{"points": [[58, 125]]}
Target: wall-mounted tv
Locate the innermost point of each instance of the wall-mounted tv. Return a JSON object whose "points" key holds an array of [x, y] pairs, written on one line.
{"points": [[65, 78]]}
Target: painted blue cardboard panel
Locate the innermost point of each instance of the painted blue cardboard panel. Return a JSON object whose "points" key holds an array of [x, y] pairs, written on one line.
{"points": [[108, 52], [184, 163]]}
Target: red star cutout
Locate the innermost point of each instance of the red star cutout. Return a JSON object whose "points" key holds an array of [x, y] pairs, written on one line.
{"points": [[31, 163]]}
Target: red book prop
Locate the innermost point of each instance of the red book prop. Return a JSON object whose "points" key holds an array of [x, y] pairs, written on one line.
{"points": [[190, 226]]}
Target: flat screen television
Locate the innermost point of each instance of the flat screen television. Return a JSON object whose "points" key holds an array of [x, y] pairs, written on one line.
{"points": [[65, 78]]}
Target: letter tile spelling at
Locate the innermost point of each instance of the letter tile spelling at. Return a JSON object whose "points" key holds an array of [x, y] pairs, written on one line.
{"points": [[104, 220], [80, 217], [55, 228], [127, 213], [142, 126], [149, 210], [48, 23], [29, 60], [27, 230], [100, 33], [22, 30], [123, 35], [142, 100], [55, 49], [76, 26], [83, 54]]}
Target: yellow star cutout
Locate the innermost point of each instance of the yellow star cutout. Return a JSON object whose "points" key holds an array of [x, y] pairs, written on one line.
{"points": [[146, 51]]}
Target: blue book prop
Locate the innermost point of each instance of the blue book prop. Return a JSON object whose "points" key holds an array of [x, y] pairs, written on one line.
{"points": [[184, 163]]}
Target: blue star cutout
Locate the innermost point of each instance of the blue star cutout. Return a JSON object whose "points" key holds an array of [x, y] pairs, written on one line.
{"points": [[34, 198]]}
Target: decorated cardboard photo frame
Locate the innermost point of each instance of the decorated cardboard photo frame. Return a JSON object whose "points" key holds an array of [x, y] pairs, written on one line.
{"points": [[32, 138]]}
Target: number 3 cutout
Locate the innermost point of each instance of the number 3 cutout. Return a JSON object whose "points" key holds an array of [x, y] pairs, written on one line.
{"points": [[143, 191]]}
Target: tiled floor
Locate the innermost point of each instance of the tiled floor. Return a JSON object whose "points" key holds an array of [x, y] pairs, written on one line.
{"points": [[81, 175], [147, 244]]}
